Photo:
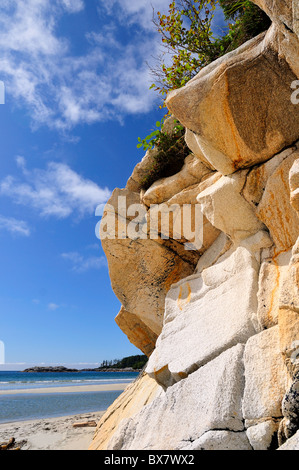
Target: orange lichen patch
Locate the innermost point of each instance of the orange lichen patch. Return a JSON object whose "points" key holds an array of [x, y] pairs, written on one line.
{"points": [[288, 329], [182, 375], [255, 184], [275, 289], [174, 276], [160, 371], [137, 331], [184, 295], [278, 213], [163, 375], [275, 210]]}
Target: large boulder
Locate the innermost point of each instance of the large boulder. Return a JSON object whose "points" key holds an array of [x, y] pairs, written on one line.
{"points": [[280, 11], [275, 209], [220, 323], [224, 102], [137, 331], [141, 270], [266, 378], [208, 399], [274, 269], [225, 207], [137, 394], [205, 315], [192, 172]]}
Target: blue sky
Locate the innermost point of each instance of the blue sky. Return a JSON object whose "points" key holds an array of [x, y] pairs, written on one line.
{"points": [[77, 97]]}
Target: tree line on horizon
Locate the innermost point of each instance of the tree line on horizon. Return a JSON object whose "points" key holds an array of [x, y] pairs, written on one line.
{"points": [[134, 362]]}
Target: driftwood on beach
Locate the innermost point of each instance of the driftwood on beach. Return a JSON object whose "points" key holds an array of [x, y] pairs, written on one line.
{"points": [[85, 424]]}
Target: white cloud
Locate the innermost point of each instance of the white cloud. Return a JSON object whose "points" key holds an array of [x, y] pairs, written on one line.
{"points": [[61, 89], [73, 6], [14, 226], [139, 12], [56, 191], [82, 264], [21, 163], [53, 307]]}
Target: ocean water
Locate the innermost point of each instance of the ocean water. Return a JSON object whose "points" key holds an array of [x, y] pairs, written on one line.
{"points": [[30, 380], [26, 406]]}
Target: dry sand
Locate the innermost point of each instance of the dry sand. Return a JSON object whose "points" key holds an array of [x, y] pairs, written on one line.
{"points": [[51, 433]]}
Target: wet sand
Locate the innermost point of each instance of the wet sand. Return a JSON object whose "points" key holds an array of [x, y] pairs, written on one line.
{"points": [[71, 389]]}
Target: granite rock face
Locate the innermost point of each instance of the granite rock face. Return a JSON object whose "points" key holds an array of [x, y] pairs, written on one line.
{"points": [[219, 321], [223, 104], [214, 391]]}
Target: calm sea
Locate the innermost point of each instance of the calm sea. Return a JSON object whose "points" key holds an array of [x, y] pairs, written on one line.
{"points": [[27, 406]]}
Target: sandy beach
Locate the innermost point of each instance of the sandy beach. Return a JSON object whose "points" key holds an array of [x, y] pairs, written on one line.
{"points": [[70, 389], [51, 433], [55, 433]]}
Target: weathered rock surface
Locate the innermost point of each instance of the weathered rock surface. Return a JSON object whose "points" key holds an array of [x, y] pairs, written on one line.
{"points": [[220, 322], [138, 333], [131, 401], [275, 209], [223, 105], [292, 443], [294, 185], [273, 270], [150, 267], [221, 440], [290, 411], [193, 143], [226, 209], [280, 11], [205, 315], [262, 436], [265, 376], [214, 391], [192, 172], [258, 176]]}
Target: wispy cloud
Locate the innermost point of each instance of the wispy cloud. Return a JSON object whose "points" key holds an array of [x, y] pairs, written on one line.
{"points": [[81, 264], [61, 89], [53, 307], [14, 226], [55, 191], [73, 6]]}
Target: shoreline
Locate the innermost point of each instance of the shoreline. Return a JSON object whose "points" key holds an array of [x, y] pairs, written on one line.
{"points": [[51, 433], [67, 389]]}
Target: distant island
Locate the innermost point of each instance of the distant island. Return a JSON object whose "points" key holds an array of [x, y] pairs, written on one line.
{"points": [[127, 364]]}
